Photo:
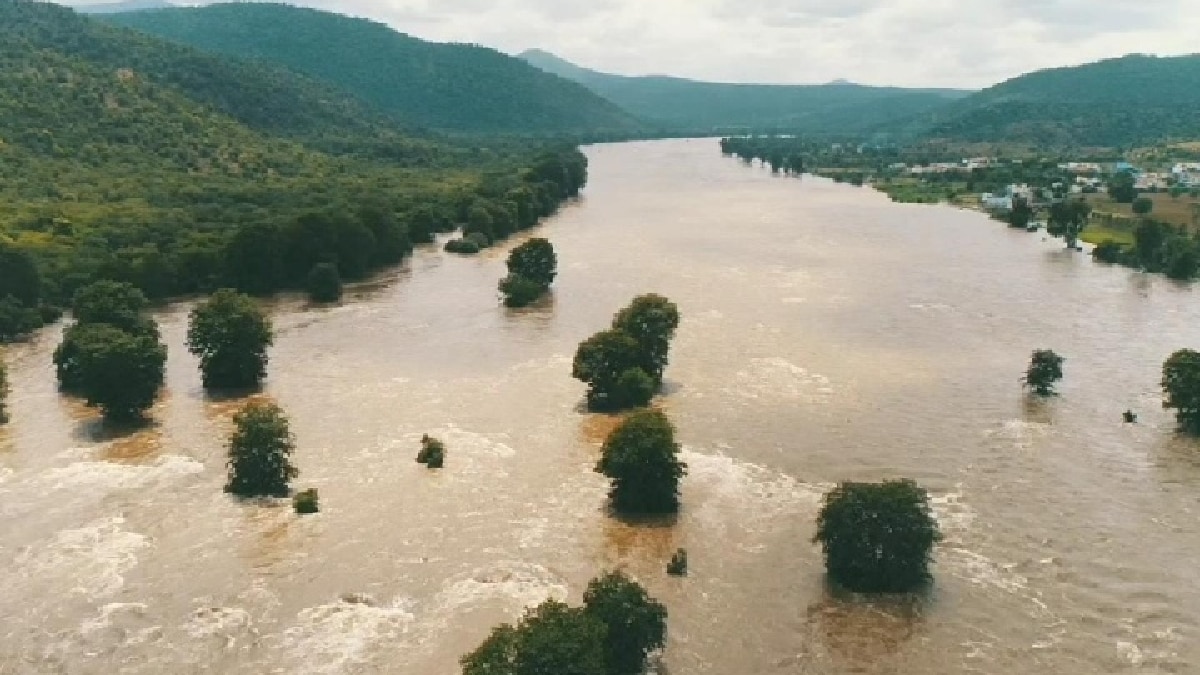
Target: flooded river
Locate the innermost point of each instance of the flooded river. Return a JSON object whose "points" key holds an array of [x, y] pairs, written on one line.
{"points": [[828, 335]]}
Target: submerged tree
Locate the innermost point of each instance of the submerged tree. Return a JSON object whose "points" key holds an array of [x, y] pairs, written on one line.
{"points": [[532, 267], [519, 291], [551, 639], [651, 320], [260, 453], [114, 303], [641, 458], [1181, 384], [116, 371], [623, 367], [636, 623], [877, 537], [1045, 369], [230, 334]]}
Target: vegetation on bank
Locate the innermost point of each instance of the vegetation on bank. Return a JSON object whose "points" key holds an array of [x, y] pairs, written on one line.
{"points": [[615, 632]]}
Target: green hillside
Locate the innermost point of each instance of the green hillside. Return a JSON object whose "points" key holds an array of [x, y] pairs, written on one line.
{"points": [[439, 86], [687, 104], [113, 166], [1128, 101]]}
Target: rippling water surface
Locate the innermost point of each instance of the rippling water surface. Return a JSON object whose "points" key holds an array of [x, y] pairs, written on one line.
{"points": [[828, 335]]}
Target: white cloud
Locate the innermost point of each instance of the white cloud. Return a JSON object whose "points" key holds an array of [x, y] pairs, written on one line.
{"points": [[952, 43]]}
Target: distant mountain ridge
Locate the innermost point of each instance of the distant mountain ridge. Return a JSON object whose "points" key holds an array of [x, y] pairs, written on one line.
{"points": [[440, 86], [1124, 101], [838, 107], [126, 6]]}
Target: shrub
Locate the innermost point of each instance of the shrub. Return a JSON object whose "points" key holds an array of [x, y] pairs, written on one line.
{"points": [[462, 246], [230, 334], [1181, 384], [432, 454], [877, 537], [534, 260], [634, 389], [1045, 369], [641, 458], [1108, 251], [305, 502], [678, 566], [481, 239], [16, 320], [324, 283], [519, 291], [1142, 206], [112, 302], [260, 452]]}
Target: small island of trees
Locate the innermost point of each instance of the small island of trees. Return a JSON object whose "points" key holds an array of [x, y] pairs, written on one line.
{"points": [[532, 267], [260, 452], [1045, 370], [623, 366], [615, 632], [877, 537]]}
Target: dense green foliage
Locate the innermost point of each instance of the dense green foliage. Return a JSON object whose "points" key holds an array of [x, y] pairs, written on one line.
{"points": [[1181, 384], [532, 267], [230, 334], [306, 502], [1157, 247], [641, 458], [675, 103], [623, 366], [324, 283], [118, 372], [260, 452], [1067, 220], [1045, 370], [129, 158], [1142, 206], [1133, 100], [877, 537], [614, 633], [443, 86]]}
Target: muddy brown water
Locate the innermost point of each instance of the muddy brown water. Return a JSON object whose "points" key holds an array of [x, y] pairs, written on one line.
{"points": [[828, 335]]}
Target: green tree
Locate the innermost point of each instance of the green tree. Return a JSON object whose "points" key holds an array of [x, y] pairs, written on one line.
{"points": [[877, 537], [1067, 220], [324, 283], [19, 276], [1182, 259], [1181, 385], [260, 453], [1143, 206], [601, 361], [519, 291], [1021, 214], [551, 639], [636, 623], [1045, 369], [230, 334], [16, 320], [641, 458], [118, 372], [651, 320], [534, 260], [1121, 188], [115, 303]]}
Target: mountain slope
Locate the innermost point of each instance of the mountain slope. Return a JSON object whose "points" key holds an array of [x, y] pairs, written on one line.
{"points": [[442, 86], [267, 98], [1126, 101], [125, 6], [675, 102]]}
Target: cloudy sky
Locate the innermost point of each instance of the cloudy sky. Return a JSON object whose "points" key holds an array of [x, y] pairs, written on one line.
{"points": [[943, 43]]}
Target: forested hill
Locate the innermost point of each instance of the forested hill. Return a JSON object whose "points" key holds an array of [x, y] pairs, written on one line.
{"points": [[440, 86], [688, 104], [1127, 101], [123, 6], [130, 158], [266, 98]]}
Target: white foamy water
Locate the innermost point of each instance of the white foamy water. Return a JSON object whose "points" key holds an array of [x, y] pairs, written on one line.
{"points": [[773, 378], [338, 636], [88, 561]]}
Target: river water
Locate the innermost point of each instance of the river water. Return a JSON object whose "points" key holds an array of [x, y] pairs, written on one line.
{"points": [[828, 335]]}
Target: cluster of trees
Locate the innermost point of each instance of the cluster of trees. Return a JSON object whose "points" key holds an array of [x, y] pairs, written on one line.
{"points": [[112, 355], [532, 267], [623, 366], [782, 154], [1157, 247], [616, 632]]}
